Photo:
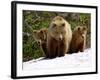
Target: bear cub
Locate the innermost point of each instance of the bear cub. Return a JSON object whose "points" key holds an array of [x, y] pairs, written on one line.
{"points": [[78, 41]]}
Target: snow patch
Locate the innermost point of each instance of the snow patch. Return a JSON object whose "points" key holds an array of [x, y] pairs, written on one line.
{"points": [[80, 59]]}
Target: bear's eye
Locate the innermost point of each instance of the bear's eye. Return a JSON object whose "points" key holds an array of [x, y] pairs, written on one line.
{"points": [[63, 25], [54, 25]]}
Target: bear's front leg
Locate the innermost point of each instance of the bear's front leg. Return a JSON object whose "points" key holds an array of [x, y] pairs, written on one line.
{"points": [[81, 49], [52, 49], [62, 49]]}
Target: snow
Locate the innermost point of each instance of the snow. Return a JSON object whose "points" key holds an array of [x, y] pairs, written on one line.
{"points": [[80, 59]]}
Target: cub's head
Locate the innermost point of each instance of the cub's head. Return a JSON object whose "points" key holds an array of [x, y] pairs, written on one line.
{"points": [[57, 28], [40, 35], [82, 30]]}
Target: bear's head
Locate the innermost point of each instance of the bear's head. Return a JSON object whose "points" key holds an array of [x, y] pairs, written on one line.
{"points": [[58, 28]]}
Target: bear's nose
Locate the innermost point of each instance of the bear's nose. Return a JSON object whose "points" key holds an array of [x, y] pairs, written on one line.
{"points": [[60, 37]]}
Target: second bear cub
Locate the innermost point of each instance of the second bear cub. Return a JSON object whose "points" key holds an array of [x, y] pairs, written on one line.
{"points": [[78, 41]]}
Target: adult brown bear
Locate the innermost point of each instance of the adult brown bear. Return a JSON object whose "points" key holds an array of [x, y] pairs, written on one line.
{"points": [[78, 41], [58, 37]]}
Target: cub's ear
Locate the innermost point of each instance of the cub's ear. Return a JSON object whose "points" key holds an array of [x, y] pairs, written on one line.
{"points": [[34, 31], [79, 28], [45, 31], [84, 28], [41, 31]]}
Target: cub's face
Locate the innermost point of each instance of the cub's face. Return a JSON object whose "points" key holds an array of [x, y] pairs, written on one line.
{"points": [[82, 30], [40, 35], [58, 28]]}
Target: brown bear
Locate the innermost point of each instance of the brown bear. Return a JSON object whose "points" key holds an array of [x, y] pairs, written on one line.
{"points": [[41, 37], [59, 37], [78, 41]]}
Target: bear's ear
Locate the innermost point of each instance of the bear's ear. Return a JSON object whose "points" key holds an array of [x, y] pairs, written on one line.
{"points": [[78, 28], [84, 28], [34, 31], [45, 31], [41, 31]]}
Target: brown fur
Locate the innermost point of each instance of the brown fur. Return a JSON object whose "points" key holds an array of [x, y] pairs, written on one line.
{"points": [[59, 37], [78, 41], [41, 37]]}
